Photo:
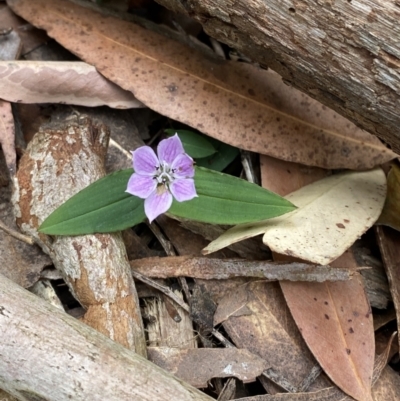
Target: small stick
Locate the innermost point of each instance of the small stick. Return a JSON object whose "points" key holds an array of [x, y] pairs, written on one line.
{"points": [[21, 237], [165, 290]]}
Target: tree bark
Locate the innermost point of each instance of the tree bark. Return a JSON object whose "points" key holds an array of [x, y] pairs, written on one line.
{"points": [[61, 159], [46, 354], [345, 54]]}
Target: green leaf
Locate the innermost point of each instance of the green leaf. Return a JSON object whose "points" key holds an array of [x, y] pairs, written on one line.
{"points": [[224, 199], [103, 206], [195, 145], [225, 155]]}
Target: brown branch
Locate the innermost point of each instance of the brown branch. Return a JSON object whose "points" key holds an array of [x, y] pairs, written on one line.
{"points": [[209, 268]]}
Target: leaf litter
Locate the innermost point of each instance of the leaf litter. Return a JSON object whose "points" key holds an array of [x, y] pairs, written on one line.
{"points": [[255, 111], [251, 312]]}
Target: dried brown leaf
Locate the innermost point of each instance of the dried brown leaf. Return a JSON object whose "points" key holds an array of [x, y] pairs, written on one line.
{"points": [[198, 366], [389, 241], [256, 318], [390, 215], [283, 177], [30, 36], [61, 82], [336, 322], [234, 102]]}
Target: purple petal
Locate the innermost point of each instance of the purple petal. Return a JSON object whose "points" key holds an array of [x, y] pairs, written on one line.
{"points": [[141, 185], [168, 149], [145, 161], [183, 166], [157, 203], [183, 189]]}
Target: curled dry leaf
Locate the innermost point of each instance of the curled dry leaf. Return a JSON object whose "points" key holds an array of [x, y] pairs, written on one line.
{"points": [[61, 82], [234, 102], [332, 214]]}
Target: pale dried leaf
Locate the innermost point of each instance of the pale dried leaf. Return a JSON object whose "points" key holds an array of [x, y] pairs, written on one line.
{"points": [[332, 214], [198, 366], [335, 320], [234, 102], [61, 82]]}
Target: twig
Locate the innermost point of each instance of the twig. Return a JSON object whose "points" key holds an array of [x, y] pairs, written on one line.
{"points": [[165, 290], [25, 238]]}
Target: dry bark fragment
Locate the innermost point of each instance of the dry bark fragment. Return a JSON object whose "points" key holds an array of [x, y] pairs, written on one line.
{"points": [[212, 268], [61, 160], [198, 366]]}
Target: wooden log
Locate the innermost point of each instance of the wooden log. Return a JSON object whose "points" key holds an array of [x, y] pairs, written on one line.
{"points": [[345, 54], [62, 159], [46, 354]]}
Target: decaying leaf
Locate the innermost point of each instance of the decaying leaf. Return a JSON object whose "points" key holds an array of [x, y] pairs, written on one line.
{"points": [[61, 82], [256, 318], [391, 210], [335, 320], [234, 102], [198, 366], [332, 214]]}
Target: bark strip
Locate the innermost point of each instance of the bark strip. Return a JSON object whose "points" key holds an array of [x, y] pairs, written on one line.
{"points": [[61, 160]]}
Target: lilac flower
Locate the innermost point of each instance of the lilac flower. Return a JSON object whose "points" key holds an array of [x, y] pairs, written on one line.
{"points": [[160, 179]]}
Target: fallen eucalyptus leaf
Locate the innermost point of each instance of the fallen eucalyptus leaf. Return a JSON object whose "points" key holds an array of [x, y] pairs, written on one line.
{"points": [[332, 214], [61, 82], [335, 320], [234, 102]]}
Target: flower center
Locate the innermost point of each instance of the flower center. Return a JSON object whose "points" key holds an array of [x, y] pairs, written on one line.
{"points": [[164, 174]]}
